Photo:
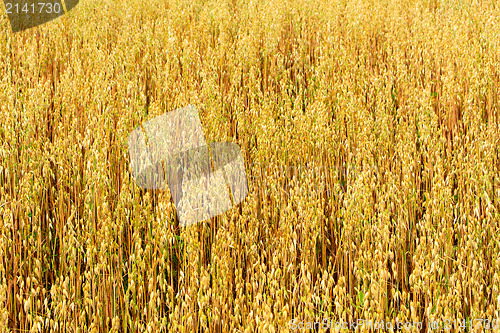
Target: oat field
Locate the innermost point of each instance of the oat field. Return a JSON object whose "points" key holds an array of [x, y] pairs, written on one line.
{"points": [[370, 134]]}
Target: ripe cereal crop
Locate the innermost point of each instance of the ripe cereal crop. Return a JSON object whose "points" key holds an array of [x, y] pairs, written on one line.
{"points": [[370, 135]]}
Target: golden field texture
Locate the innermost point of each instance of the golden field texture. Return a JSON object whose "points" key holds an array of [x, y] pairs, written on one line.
{"points": [[389, 108]]}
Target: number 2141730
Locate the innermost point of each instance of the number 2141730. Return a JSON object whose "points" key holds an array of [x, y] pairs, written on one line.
{"points": [[34, 8]]}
